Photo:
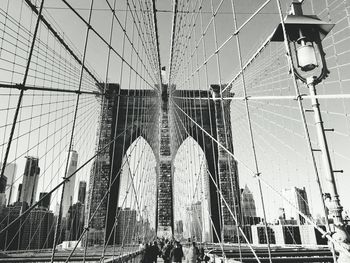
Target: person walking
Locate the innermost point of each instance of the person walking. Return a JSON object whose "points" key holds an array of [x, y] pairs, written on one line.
{"points": [[177, 253], [192, 254], [201, 254], [166, 252], [147, 254], [154, 252]]}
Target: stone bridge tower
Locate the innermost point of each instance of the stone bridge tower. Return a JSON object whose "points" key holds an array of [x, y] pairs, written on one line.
{"points": [[160, 116]]}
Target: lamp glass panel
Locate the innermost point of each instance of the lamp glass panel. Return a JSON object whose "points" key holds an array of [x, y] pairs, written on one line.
{"points": [[306, 57]]}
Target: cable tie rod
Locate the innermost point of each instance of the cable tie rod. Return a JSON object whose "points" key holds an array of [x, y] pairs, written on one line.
{"points": [[316, 150], [338, 171], [300, 97], [20, 86], [309, 110], [332, 129]]}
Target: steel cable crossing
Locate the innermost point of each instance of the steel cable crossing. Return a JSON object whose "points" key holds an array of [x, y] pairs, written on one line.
{"points": [[259, 105], [186, 73], [139, 74]]}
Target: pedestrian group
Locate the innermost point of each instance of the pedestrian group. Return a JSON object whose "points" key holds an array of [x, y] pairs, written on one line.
{"points": [[172, 251]]}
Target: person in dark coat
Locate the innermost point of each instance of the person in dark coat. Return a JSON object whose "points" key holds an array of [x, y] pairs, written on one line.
{"points": [[154, 251], [177, 253], [147, 254], [201, 254], [166, 252]]}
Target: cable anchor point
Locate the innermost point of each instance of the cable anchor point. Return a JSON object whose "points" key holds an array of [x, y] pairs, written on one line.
{"points": [[65, 179], [299, 97], [257, 174]]}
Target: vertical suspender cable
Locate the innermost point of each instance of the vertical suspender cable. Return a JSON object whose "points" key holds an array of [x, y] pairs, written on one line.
{"points": [[23, 84], [19, 102], [59, 218], [302, 115], [105, 88], [181, 140], [208, 102], [172, 46], [222, 115], [127, 140], [154, 11], [116, 126], [123, 150], [250, 129], [105, 194]]}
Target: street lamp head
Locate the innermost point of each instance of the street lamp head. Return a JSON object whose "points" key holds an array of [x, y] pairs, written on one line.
{"points": [[305, 34], [312, 27]]}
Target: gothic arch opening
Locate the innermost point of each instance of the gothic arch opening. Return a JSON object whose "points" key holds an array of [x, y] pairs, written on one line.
{"points": [[191, 192], [137, 194]]}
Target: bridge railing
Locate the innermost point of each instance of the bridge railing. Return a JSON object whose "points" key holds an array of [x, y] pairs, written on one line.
{"points": [[129, 258]]}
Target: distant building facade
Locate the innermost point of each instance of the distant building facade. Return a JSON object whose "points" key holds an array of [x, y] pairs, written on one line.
{"points": [[70, 184], [45, 203], [247, 203], [30, 181], [38, 230], [34, 231], [10, 239], [10, 173], [248, 208], [75, 221], [3, 182], [297, 200], [82, 192], [19, 193]]}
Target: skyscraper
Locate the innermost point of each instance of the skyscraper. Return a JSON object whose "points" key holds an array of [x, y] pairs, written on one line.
{"points": [[38, 231], [10, 173], [3, 181], [82, 192], [75, 221], [30, 180], [19, 193], [247, 203], [297, 201], [75, 217], [70, 184], [10, 239], [45, 203]]}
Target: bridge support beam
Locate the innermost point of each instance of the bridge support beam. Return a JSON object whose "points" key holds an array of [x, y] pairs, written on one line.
{"points": [[126, 116], [227, 173], [165, 183]]}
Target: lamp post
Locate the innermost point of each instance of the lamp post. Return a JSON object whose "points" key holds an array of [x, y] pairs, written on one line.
{"points": [[305, 34]]}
